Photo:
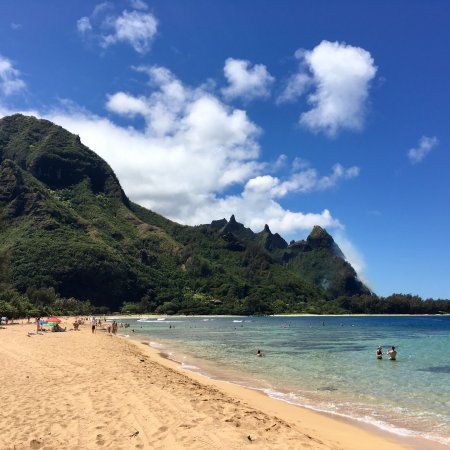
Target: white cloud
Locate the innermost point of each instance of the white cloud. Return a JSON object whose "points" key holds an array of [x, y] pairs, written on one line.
{"points": [[307, 180], [191, 152], [245, 81], [10, 80], [127, 105], [353, 256], [426, 144], [84, 25], [138, 4], [295, 87], [299, 163], [137, 28], [339, 76], [280, 162]]}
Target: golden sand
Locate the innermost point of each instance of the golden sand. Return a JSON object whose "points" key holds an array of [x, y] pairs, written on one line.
{"points": [[76, 390]]}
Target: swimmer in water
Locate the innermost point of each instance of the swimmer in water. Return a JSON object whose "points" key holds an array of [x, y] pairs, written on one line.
{"points": [[379, 352], [258, 353], [392, 353]]}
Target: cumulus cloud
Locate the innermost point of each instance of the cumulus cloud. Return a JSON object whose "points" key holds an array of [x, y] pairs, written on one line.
{"points": [[337, 77], [137, 28], [196, 158], [425, 145], [193, 149], [10, 79], [304, 181], [246, 81]]}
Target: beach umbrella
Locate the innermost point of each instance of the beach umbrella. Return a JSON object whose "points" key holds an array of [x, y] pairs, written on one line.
{"points": [[49, 321], [53, 319]]}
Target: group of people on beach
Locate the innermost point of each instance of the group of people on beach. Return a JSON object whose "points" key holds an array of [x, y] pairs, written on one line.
{"points": [[392, 353], [110, 326]]}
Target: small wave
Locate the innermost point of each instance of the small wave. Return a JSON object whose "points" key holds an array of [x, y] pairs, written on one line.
{"points": [[331, 408], [189, 366], [237, 321], [151, 319], [155, 345], [162, 321]]}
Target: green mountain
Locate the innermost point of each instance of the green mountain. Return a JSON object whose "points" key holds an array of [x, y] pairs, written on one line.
{"points": [[66, 224]]}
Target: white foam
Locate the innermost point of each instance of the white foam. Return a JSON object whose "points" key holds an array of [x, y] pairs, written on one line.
{"points": [[189, 366], [331, 408], [162, 321], [155, 345], [328, 408]]}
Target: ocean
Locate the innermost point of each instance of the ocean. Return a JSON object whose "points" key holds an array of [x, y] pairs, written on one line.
{"points": [[326, 363]]}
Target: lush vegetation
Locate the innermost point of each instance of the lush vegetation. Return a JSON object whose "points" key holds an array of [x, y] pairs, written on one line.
{"points": [[68, 231]]}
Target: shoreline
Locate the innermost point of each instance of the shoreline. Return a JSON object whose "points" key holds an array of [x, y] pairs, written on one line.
{"points": [[290, 412], [409, 440], [151, 315], [77, 390]]}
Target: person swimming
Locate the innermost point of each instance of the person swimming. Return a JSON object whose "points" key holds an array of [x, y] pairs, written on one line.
{"points": [[392, 353], [258, 353], [379, 352]]}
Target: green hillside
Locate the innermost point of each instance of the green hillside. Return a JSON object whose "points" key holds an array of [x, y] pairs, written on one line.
{"points": [[66, 224]]}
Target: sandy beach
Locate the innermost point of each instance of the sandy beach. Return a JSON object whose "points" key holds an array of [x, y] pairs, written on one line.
{"points": [[76, 390]]}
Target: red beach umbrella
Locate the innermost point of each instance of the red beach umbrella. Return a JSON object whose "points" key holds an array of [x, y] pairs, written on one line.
{"points": [[53, 319]]}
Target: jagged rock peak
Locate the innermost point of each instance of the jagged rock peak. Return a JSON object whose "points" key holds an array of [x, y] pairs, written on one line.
{"points": [[219, 223], [318, 232], [267, 229], [320, 238], [238, 229]]}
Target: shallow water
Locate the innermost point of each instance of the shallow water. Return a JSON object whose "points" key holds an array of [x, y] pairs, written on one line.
{"points": [[326, 363]]}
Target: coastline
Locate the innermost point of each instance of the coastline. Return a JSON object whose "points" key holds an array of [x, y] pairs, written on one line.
{"points": [[150, 315], [290, 411], [74, 390]]}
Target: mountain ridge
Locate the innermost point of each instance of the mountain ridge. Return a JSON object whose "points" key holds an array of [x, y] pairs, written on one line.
{"points": [[66, 223]]}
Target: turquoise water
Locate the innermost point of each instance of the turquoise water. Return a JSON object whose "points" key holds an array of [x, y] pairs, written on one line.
{"points": [[325, 363]]}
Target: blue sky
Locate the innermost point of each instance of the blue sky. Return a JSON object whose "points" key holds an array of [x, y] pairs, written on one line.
{"points": [[292, 113]]}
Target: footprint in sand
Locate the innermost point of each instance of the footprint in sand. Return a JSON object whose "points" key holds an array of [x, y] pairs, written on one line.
{"points": [[35, 444], [100, 440]]}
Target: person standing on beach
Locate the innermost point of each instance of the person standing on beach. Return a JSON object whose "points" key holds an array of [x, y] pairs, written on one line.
{"points": [[93, 324], [392, 353]]}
